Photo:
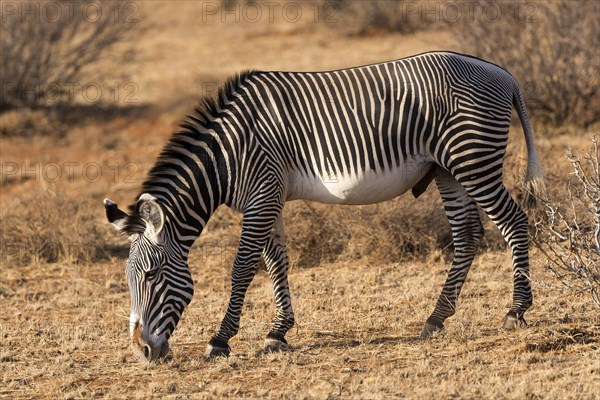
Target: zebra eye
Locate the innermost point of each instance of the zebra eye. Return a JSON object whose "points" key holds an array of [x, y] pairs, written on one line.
{"points": [[151, 274]]}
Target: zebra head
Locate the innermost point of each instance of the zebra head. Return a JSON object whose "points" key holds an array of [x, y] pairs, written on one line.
{"points": [[160, 283]]}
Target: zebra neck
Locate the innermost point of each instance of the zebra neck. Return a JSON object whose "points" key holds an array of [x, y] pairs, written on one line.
{"points": [[191, 178]]}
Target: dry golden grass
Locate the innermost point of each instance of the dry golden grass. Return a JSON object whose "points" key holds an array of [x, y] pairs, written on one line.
{"points": [[359, 307], [64, 335]]}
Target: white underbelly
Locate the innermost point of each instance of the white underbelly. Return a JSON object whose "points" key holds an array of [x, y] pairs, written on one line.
{"points": [[365, 188]]}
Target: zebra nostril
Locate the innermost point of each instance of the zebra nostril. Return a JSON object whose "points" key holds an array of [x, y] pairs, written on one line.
{"points": [[147, 351]]}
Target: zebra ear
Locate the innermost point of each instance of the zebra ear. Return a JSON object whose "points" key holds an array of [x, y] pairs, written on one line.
{"points": [[114, 215], [151, 212]]}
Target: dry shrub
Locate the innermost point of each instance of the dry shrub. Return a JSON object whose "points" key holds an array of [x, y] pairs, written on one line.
{"points": [[314, 234], [44, 51], [398, 230], [25, 123], [358, 17], [550, 47], [46, 228], [570, 236]]}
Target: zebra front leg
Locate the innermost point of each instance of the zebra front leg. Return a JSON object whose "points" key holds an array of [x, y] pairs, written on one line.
{"points": [[276, 259], [256, 228], [467, 232]]}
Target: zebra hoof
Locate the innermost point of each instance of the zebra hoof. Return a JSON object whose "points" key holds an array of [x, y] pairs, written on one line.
{"points": [[275, 343], [217, 348], [432, 325], [513, 321]]}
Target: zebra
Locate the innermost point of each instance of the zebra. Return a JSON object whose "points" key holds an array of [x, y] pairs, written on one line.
{"points": [[351, 136]]}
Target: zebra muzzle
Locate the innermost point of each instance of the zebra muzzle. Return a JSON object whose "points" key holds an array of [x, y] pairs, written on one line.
{"points": [[144, 350]]}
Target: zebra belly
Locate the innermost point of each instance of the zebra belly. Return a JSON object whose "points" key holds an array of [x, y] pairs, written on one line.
{"points": [[364, 188]]}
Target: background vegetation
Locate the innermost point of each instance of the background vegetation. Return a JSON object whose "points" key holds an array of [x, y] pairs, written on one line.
{"points": [[50, 47], [552, 50]]}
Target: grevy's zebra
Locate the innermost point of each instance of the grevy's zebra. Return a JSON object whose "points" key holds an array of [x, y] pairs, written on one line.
{"points": [[353, 136]]}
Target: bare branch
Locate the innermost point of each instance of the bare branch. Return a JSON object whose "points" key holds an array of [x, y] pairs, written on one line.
{"points": [[38, 51], [570, 242]]}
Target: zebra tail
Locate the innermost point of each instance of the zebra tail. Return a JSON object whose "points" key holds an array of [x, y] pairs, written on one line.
{"points": [[534, 178]]}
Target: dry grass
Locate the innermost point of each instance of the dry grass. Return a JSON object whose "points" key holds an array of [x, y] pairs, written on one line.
{"points": [[360, 307], [48, 228], [64, 335]]}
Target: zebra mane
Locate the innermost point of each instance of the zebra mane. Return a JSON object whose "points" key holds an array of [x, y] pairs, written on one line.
{"points": [[209, 105], [206, 111]]}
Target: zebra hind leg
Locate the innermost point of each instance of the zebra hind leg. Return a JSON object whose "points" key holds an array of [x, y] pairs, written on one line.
{"points": [[467, 232], [513, 224], [276, 259]]}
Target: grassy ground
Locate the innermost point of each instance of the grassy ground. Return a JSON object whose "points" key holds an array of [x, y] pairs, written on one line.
{"points": [[64, 334], [64, 324]]}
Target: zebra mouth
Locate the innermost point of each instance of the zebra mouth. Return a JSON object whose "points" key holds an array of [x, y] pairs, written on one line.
{"points": [[164, 349], [147, 353], [146, 350]]}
